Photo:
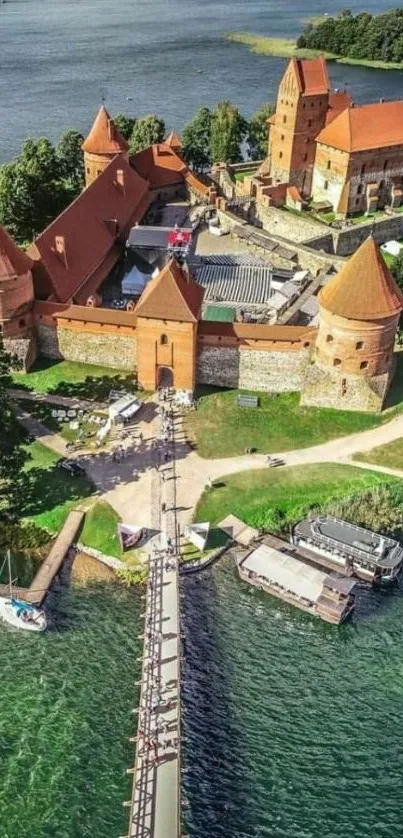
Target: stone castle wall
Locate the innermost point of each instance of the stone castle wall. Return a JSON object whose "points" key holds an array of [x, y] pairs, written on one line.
{"points": [[88, 347], [272, 371], [325, 388]]}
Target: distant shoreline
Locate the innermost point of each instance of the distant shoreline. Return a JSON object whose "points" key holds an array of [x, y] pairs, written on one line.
{"points": [[287, 48]]}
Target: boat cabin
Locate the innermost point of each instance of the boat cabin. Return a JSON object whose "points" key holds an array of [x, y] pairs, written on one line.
{"points": [[355, 550]]}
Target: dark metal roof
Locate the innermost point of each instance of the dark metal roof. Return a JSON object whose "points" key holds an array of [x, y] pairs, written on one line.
{"points": [[235, 284]]}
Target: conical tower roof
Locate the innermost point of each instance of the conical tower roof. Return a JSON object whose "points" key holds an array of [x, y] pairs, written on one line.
{"points": [[174, 140], [364, 289], [104, 137], [171, 296], [13, 262]]}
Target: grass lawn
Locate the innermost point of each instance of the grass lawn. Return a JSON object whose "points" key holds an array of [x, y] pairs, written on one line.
{"points": [[48, 493], [100, 533], [274, 498], [389, 455], [240, 176], [220, 428], [66, 378], [287, 48], [216, 539]]}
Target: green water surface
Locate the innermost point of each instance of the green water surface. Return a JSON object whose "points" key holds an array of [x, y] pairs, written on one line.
{"points": [[65, 721]]}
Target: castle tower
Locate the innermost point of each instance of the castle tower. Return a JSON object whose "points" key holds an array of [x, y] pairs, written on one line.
{"points": [[301, 108], [102, 144], [16, 300], [174, 141], [354, 355]]}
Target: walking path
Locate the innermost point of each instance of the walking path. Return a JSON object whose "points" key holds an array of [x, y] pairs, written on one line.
{"points": [[155, 805], [72, 402]]}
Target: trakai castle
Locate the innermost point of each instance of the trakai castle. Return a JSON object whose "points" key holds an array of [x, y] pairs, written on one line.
{"points": [[55, 299]]}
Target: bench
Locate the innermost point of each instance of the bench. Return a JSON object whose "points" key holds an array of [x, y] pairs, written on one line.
{"points": [[247, 401]]}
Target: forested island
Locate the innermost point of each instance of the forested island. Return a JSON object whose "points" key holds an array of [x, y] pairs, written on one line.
{"points": [[370, 40]]}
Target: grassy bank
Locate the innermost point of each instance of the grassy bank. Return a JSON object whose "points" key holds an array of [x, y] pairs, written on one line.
{"points": [[287, 48], [66, 378], [272, 499], [219, 428], [389, 455]]}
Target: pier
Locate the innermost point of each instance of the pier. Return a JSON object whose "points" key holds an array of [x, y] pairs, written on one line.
{"points": [[43, 579], [155, 802]]}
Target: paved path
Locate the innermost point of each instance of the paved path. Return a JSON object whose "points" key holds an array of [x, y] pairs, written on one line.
{"points": [[155, 806]]}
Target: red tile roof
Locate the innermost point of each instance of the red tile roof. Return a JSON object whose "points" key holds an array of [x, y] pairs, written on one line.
{"points": [[366, 127], [311, 75], [364, 289], [13, 261], [257, 331], [87, 231], [171, 296], [173, 140], [161, 166], [339, 100], [104, 137]]}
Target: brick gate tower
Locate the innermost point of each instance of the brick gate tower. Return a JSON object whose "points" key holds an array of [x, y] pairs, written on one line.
{"points": [[354, 357], [102, 144]]}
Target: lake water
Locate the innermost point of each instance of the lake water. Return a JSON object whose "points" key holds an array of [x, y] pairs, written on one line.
{"points": [[58, 58], [293, 728]]}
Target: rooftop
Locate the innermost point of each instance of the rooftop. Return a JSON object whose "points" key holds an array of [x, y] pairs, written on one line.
{"points": [[341, 535], [311, 75], [171, 295], [104, 137], [235, 283], [293, 575], [13, 261], [364, 289], [365, 127]]}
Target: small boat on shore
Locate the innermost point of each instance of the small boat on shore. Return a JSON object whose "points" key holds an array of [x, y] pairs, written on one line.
{"points": [[19, 613]]}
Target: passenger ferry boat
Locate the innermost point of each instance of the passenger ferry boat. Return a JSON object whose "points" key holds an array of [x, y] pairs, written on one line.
{"points": [[347, 547], [329, 596]]}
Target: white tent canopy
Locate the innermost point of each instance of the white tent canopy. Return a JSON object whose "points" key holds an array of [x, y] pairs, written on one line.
{"points": [[124, 408], [392, 247], [198, 534]]}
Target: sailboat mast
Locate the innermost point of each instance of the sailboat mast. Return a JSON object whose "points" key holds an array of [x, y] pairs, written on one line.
{"points": [[9, 572]]}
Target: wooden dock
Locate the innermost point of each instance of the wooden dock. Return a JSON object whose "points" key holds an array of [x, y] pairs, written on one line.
{"points": [[40, 585]]}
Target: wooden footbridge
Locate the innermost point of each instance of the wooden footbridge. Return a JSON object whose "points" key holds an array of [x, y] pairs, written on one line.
{"points": [[49, 568]]}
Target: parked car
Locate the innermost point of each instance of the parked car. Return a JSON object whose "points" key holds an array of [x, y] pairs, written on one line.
{"points": [[74, 468]]}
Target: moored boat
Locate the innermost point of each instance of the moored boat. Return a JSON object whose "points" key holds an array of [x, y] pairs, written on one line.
{"points": [[19, 613]]}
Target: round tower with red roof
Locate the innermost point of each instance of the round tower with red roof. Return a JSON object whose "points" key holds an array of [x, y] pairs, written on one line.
{"points": [[103, 143], [16, 300], [354, 357]]}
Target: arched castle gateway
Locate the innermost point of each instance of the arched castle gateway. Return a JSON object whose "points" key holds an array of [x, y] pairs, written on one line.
{"points": [[50, 298]]}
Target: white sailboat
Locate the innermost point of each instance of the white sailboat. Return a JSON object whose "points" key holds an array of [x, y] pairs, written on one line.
{"points": [[18, 613]]}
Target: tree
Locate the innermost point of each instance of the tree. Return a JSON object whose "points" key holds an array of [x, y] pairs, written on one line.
{"points": [[147, 131], [70, 159], [258, 132], [397, 269], [12, 437], [227, 130], [17, 202], [124, 124], [196, 140]]}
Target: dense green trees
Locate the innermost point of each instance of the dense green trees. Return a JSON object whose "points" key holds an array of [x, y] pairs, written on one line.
{"points": [[227, 131], [362, 36], [196, 140], [147, 130], [12, 454], [124, 124], [258, 132], [39, 184]]}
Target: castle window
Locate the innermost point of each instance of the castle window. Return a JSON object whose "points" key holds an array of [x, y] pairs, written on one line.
{"points": [[305, 157], [312, 104], [280, 155], [357, 201], [382, 184], [284, 118], [163, 340], [309, 123], [385, 165], [88, 170], [359, 344], [282, 136], [363, 169], [363, 365], [336, 362], [359, 189], [306, 344], [304, 105], [328, 164], [329, 338], [21, 322], [326, 184]]}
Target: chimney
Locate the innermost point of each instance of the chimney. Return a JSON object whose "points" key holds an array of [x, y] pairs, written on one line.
{"points": [[60, 246], [110, 129], [120, 180], [381, 100]]}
